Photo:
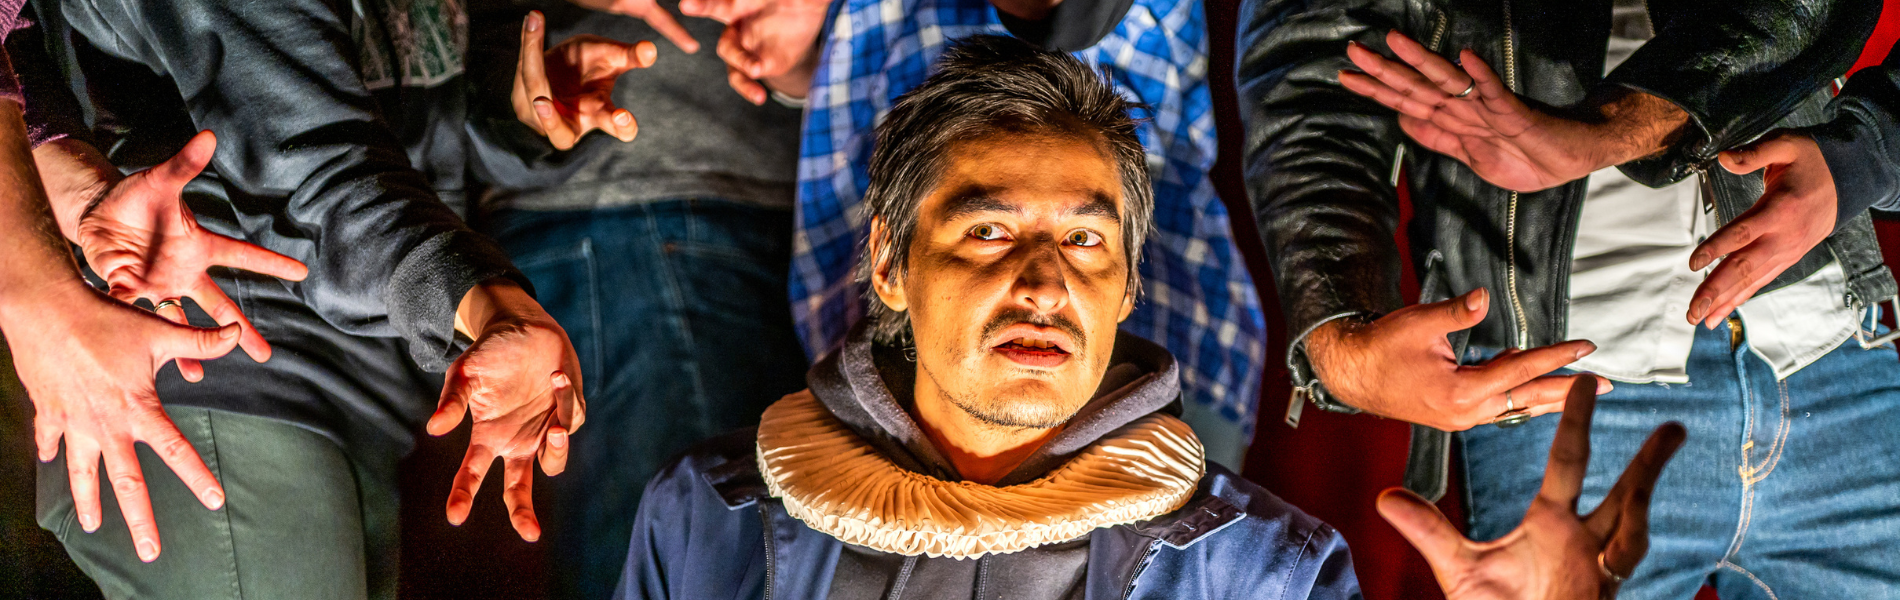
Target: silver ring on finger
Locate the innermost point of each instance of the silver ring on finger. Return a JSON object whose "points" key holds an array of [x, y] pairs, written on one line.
{"points": [[1603, 568], [164, 303], [1469, 89], [1513, 414]]}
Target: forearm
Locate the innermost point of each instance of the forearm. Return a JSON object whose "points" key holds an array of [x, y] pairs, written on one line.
{"points": [[38, 265], [1630, 125], [75, 174]]}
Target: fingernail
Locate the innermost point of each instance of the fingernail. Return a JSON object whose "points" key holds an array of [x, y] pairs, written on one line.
{"points": [[213, 499], [1586, 348], [534, 21], [1604, 386], [228, 332], [148, 550], [562, 380], [1474, 300], [1699, 308], [89, 523], [557, 439], [544, 109], [1698, 261], [623, 118]]}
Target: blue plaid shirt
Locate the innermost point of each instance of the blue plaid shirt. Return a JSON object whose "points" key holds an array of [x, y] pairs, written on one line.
{"points": [[1198, 299]]}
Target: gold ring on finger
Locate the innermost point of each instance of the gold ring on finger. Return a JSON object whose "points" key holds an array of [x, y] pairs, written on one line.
{"points": [[164, 303], [1603, 568]]}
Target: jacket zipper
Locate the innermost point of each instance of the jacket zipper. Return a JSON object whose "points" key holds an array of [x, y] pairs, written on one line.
{"points": [[1153, 547], [765, 523], [1438, 35], [1510, 228]]}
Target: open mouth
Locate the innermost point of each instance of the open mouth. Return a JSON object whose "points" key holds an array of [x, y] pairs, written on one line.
{"points": [[1033, 350]]}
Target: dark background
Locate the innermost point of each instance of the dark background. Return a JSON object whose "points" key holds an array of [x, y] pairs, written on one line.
{"points": [[1332, 466]]}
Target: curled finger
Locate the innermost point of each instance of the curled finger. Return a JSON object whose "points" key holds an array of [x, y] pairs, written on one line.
{"points": [[747, 87], [188, 368]]}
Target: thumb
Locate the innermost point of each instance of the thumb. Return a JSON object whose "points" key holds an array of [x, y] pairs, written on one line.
{"points": [[1460, 313], [1753, 157], [177, 341], [188, 163], [1422, 525]]}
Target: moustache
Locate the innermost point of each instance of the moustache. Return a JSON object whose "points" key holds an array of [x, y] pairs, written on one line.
{"points": [[1012, 316]]}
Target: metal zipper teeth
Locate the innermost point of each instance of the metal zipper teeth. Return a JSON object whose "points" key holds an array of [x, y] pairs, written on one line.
{"points": [[765, 523], [1153, 547], [1438, 35], [1510, 228]]}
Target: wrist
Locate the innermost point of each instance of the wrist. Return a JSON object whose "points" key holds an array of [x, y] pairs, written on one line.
{"points": [[487, 301], [1627, 125], [76, 178]]}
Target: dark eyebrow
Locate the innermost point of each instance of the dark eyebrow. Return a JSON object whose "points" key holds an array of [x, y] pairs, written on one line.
{"points": [[975, 201], [1101, 205]]}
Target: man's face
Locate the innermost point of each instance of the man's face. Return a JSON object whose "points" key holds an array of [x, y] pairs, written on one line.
{"points": [[1017, 277]]}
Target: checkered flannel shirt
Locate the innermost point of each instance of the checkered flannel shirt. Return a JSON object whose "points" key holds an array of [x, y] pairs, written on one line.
{"points": [[1198, 299]]}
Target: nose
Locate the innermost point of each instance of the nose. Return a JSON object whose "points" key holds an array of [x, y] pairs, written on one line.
{"points": [[1040, 284]]}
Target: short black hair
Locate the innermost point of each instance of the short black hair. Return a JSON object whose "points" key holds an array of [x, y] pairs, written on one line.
{"points": [[994, 85]]}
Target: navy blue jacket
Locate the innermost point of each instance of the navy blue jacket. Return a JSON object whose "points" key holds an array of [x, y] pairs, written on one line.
{"points": [[707, 528]]}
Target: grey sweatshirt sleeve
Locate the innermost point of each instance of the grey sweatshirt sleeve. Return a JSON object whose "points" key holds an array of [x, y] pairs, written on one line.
{"points": [[313, 171]]}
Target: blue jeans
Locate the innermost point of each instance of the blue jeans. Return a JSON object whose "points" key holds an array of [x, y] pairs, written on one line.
{"points": [[678, 312], [1784, 489]]}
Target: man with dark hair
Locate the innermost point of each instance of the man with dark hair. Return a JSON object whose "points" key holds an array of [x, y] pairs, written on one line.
{"points": [[1014, 443]]}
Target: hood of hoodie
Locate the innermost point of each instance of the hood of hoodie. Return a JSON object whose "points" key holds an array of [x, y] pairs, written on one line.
{"points": [[868, 386]]}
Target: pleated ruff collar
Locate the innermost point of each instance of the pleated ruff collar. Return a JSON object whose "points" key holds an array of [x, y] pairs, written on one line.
{"points": [[837, 483]]}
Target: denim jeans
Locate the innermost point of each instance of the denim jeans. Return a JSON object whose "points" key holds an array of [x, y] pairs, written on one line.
{"points": [[1784, 489], [678, 312]]}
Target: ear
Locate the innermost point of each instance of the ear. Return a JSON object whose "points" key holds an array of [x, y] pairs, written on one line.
{"points": [[1128, 307], [889, 290]]}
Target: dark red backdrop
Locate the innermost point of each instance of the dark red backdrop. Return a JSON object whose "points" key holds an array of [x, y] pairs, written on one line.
{"points": [[1332, 466]]}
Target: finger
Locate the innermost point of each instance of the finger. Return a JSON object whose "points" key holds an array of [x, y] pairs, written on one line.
{"points": [[531, 65], [724, 11], [468, 481], [748, 88], [82, 475], [122, 292], [1491, 88], [1446, 77], [188, 369], [518, 494], [454, 400], [663, 22], [1402, 77], [237, 254], [620, 124], [171, 176], [1435, 138], [1509, 372], [1756, 156], [128, 486], [1422, 525], [554, 451], [1724, 282], [1570, 451], [1454, 314], [1631, 540], [223, 310], [1726, 304], [170, 342], [732, 50], [1729, 238], [46, 434], [560, 133], [1385, 95], [1537, 397], [163, 437], [1637, 480]]}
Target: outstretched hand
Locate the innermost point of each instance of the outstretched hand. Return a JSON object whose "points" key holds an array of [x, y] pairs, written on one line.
{"points": [[1401, 366], [520, 382], [1465, 111], [145, 242], [1555, 554], [567, 91], [649, 11], [1795, 213], [766, 43], [88, 363]]}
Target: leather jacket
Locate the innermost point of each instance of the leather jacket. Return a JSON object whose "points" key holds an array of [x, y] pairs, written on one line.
{"points": [[1322, 163]]}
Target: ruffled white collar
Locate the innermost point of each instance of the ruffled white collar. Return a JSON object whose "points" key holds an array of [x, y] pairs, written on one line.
{"points": [[838, 484]]}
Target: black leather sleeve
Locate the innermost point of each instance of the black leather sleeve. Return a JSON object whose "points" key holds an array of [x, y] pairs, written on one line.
{"points": [[315, 171], [1862, 142], [1319, 158], [1737, 67]]}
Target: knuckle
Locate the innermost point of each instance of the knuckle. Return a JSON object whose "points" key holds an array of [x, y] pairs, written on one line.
{"points": [[126, 484]]}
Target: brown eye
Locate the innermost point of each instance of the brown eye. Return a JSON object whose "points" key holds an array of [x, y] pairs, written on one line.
{"points": [[1085, 238], [986, 231]]}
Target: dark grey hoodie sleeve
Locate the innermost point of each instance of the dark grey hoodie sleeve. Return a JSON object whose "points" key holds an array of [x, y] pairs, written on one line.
{"points": [[1862, 142], [313, 171]]}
